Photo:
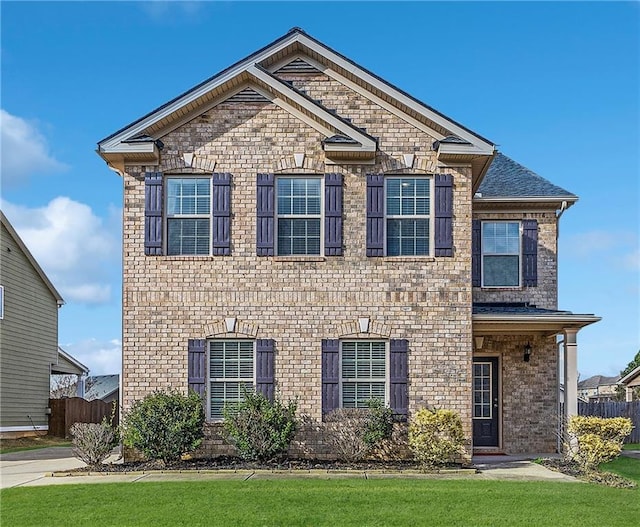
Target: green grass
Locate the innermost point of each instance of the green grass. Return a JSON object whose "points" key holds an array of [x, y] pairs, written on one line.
{"points": [[625, 466], [31, 443], [631, 446], [318, 502]]}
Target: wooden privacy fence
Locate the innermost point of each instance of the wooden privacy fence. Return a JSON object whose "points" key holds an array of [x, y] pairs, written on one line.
{"points": [[615, 409], [65, 412]]}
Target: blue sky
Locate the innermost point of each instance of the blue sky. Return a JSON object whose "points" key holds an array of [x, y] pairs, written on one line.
{"points": [[554, 85]]}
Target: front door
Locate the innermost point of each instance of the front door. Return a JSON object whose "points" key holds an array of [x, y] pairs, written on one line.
{"points": [[485, 402]]}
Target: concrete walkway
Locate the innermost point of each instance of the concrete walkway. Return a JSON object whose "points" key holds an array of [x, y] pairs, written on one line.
{"points": [[36, 467]]}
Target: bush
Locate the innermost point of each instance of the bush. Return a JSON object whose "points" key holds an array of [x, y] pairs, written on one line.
{"points": [[436, 437], [595, 440], [93, 442], [355, 432], [260, 429], [164, 426]]}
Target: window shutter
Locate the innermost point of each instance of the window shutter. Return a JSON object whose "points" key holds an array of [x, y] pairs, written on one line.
{"points": [[221, 214], [330, 375], [333, 214], [197, 369], [265, 215], [399, 376], [265, 371], [530, 253], [476, 253], [444, 215], [375, 215], [153, 213]]}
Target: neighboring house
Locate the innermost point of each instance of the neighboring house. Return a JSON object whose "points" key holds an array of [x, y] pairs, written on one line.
{"points": [[299, 225], [67, 376], [28, 337], [102, 387], [598, 388], [630, 381]]}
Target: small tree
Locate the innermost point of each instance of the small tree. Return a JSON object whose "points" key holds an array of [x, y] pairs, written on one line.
{"points": [[93, 442], [436, 437], [260, 429], [164, 426]]}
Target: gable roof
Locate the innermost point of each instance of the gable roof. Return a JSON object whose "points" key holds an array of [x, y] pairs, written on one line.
{"points": [[509, 179], [101, 386], [598, 380], [12, 232], [67, 364], [632, 375], [256, 71]]}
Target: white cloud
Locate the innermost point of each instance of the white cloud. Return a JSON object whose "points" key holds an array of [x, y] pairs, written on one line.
{"points": [[24, 150], [618, 247], [169, 9], [76, 249], [101, 357]]}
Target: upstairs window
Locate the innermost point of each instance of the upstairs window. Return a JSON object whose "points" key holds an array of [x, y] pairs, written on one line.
{"points": [[363, 373], [188, 215], [408, 216], [501, 253], [299, 216]]}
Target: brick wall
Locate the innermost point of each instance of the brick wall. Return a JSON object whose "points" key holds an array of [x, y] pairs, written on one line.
{"points": [[296, 301]]}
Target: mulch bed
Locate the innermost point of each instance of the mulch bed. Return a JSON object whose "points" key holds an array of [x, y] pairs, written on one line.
{"points": [[234, 463]]}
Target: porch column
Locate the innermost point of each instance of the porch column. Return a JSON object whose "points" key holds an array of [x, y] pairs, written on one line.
{"points": [[570, 373], [629, 394]]}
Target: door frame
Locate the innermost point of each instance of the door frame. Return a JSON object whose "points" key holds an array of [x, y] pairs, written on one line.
{"points": [[498, 356]]}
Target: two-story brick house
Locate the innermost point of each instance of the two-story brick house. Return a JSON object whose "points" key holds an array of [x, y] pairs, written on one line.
{"points": [[298, 225]]}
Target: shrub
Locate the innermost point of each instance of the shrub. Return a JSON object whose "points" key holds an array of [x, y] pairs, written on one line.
{"points": [[436, 437], [595, 440], [355, 432], [93, 442], [260, 429], [164, 426]]}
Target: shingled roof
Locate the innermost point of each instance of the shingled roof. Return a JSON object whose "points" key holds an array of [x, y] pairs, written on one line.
{"points": [[508, 179]]}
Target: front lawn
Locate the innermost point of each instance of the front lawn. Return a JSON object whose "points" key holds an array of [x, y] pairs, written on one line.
{"points": [[290, 502], [627, 467], [631, 446]]}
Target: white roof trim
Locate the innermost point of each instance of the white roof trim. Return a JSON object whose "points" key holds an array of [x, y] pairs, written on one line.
{"points": [[72, 360], [630, 376]]}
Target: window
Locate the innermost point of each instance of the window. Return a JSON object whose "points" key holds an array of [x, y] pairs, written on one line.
{"points": [[1, 302], [299, 216], [482, 404], [501, 254], [231, 372], [408, 216], [363, 373], [188, 215]]}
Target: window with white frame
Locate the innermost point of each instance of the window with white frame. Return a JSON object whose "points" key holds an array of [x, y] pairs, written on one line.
{"points": [[408, 216], [188, 215], [363, 373], [299, 215], [501, 253], [231, 373]]}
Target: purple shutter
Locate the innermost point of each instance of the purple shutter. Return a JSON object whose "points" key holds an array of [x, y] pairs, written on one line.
{"points": [[530, 253], [153, 213], [265, 371], [330, 375], [221, 214], [333, 214], [197, 369], [265, 225], [444, 215], [476, 253], [399, 377], [375, 215]]}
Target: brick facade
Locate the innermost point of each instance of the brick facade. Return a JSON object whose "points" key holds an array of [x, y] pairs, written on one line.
{"points": [[298, 301]]}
